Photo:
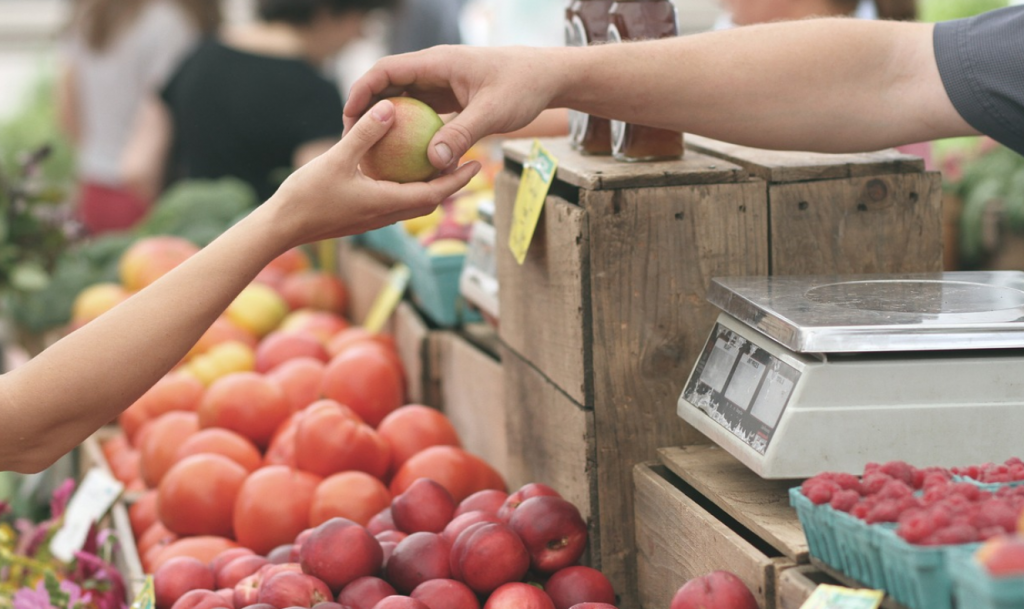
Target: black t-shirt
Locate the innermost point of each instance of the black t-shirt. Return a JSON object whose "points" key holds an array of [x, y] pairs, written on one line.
{"points": [[981, 61], [244, 115]]}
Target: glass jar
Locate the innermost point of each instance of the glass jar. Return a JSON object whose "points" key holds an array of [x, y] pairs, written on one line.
{"points": [[643, 20], [586, 24]]}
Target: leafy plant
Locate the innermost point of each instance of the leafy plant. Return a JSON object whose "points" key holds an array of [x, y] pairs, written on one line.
{"points": [[991, 181]]}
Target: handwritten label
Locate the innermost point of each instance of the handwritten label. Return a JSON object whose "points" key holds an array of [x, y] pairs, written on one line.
{"points": [[838, 597], [538, 173], [389, 297], [91, 500]]}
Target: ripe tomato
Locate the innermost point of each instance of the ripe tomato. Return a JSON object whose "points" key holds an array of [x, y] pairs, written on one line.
{"points": [[161, 440], [300, 380], [365, 380], [272, 507], [131, 421], [175, 391], [203, 548], [328, 441], [224, 442], [156, 536], [247, 403], [197, 495], [142, 513], [357, 496], [460, 472], [412, 428]]}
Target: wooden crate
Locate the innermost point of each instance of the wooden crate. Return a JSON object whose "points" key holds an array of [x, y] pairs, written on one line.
{"points": [[609, 307], [470, 383]]}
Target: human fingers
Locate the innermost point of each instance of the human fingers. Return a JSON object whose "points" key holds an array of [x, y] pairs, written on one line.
{"points": [[415, 194], [458, 135], [364, 133]]}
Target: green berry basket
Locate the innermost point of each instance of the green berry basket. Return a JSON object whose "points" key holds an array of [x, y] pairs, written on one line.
{"points": [[975, 588], [918, 576]]}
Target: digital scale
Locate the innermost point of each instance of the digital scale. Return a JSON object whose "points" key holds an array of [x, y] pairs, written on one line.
{"points": [[802, 375]]}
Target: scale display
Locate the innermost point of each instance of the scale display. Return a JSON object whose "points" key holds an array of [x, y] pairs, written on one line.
{"points": [[741, 387]]}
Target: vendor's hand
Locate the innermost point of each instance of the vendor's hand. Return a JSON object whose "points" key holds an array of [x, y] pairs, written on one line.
{"points": [[494, 90], [330, 197]]}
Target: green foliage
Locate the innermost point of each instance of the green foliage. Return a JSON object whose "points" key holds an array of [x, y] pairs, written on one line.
{"points": [[993, 178], [944, 10], [199, 210]]}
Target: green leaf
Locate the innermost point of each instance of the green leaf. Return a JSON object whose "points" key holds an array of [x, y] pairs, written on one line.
{"points": [[29, 277]]}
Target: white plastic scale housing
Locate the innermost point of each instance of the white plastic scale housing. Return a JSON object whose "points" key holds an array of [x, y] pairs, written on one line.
{"points": [[802, 375]]}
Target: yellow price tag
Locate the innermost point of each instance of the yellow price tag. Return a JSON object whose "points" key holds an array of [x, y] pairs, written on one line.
{"points": [[538, 173], [146, 598], [389, 297], [839, 597]]}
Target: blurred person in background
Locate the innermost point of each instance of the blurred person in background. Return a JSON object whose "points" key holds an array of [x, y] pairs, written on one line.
{"points": [[421, 24], [251, 102], [116, 52]]}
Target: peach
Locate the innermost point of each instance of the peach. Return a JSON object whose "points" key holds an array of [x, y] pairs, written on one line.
{"points": [[715, 589], [177, 576], [150, 258], [552, 530], [258, 309], [399, 602], [291, 261], [96, 300], [315, 290], [226, 557], [320, 557], [579, 584], [199, 599], [279, 347], [418, 558], [235, 571], [293, 590], [519, 596], [488, 500], [381, 522], [401, 155], [394, 536], [1003, 555], [533, 489], [424, 506], [247, 590], [487, 555], [322, 324], [445, 594], [365, 592], [222, 330], [460, 523]]}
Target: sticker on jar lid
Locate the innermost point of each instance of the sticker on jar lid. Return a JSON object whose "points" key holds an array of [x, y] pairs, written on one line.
{"points": [[538, 174], [839, 597]]}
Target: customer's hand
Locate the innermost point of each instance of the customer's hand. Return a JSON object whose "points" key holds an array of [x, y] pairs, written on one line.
{"points": [[494, 90], [330, 196]]}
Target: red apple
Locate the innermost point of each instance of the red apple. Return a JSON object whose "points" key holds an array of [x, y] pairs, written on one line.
{"points": [[177, 576], [528, 491], [365, 592], [239, 568], [293, 555], [228, 594], [716, 590], [382, 522], [487, 555], [227, 556], [395, 536], [399, 602], [445, 594], [552, 530], [281, 554], [463, 522], [293, 590], [518, 596], [320, 555], [573, 585], [424, 506], [389, 548], [199, 599], [418, 558], [247, 590], [489, 500]]}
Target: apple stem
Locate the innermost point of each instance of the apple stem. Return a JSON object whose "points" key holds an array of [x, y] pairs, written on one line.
{"points": [[558, 544]]}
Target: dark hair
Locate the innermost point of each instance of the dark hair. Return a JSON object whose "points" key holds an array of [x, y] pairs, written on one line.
{"points": [[898, 10], [302, 12], [100, 21]]}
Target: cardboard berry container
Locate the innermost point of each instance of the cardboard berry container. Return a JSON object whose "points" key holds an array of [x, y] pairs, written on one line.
{"points": [[918, 576], [988, 486], [975, 588]]}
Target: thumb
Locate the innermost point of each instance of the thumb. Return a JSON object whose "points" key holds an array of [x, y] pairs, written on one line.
{"points": [[368, 130], [457, 136]]}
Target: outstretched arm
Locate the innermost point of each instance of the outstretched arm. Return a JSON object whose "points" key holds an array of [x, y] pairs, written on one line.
{"points": [[56, 400], [830, 85]]}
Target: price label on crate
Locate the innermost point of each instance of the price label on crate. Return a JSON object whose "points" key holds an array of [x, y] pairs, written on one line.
{"points": [[91, 500], [388, 299], [538, 173], [839, 597]]}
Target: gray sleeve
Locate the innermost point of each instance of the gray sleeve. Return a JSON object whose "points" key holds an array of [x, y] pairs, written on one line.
{"points": [[981, 62], [420, 24]]}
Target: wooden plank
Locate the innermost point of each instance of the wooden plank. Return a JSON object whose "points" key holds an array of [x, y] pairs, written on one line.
{"points": [[410, 332], [758, 504], [473, 398], [843, 579], [653, 254], [544, 308], [781, 166], [880, 224], [794, 586], [550, 440], [678, 540], [605, 173], [126, 556]]}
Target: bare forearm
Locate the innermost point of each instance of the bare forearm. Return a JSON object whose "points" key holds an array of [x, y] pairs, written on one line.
{"points": [[831, 85], [60, 397]]}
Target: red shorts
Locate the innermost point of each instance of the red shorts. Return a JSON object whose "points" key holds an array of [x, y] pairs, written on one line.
{"points": [[104, 208]]}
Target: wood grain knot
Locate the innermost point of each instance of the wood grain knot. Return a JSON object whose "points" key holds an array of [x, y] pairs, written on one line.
{"points": [[876, 190]]}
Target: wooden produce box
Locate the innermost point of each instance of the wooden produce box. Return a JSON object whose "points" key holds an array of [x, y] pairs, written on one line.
{"points": [[609, 308]]}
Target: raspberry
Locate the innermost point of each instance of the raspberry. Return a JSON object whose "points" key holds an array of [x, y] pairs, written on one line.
{"points": [[934, 479], [887, 510], [873, 482], [915, 528], [966, 490], [895, 489], [990, 532], [899, 470], [844, 500], [820, 494], [871, 468], [955, 533], [860, 510], [995, 513], [848, 482]]}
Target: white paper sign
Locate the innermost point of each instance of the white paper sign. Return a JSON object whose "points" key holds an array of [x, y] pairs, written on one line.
{"points": [[91, 500]]}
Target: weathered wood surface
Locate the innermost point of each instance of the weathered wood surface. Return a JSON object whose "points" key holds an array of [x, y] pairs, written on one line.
{"points": [[758, 504], [605, 173], [878, 224], [795, 585], [473, 398], [411, 333], [654, 251], [780, 166], [678, 540], [887, 603], [545, 305], [364, 276]]}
